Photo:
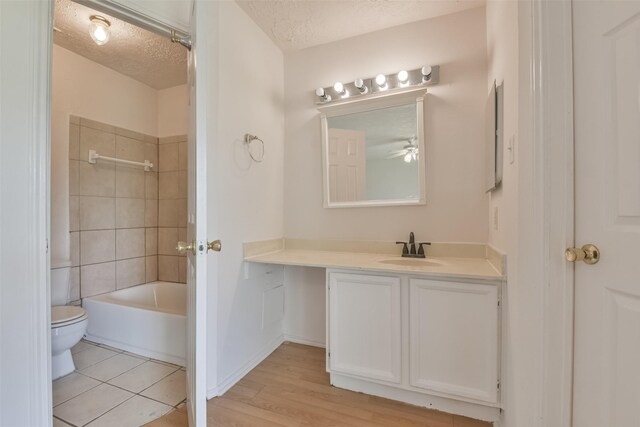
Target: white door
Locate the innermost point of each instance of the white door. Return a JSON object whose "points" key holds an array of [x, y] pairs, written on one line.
{"points": [[347, 165], [607, 205], [460, 359], [365, 326], [196, 238]]}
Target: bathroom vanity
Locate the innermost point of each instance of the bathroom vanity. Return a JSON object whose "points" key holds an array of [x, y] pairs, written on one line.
{"points": [[423, 331]]}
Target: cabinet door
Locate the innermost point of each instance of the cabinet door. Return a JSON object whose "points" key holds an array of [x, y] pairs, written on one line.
{"points": [[453, 342], [365, 326]]}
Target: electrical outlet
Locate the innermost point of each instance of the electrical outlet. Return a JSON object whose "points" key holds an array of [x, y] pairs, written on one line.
{"points": [[495, 218]]}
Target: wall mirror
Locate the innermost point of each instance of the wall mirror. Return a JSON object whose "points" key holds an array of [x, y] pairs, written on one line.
{"points": [[373, 151]]}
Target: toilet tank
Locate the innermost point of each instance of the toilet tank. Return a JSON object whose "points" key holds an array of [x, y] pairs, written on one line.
{"points": [[60, 275]]}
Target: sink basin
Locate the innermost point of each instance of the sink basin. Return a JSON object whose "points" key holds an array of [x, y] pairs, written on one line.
{"points": [[410, 262]]}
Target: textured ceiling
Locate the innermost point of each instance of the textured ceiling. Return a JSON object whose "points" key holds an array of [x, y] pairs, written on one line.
{"points": [[132, 51], [298, 24]]}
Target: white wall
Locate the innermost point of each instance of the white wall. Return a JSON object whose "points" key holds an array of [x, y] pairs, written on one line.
{"points": [[173, 111], [87, 89], [456, 207], [248, 97]]}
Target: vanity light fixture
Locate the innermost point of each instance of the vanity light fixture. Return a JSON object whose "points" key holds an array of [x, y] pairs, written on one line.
{"points": [[320, 92], [382, 84], [99, 29]]}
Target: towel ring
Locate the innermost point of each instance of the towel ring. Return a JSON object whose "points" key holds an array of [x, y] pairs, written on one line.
{"points": [[248, 139]]}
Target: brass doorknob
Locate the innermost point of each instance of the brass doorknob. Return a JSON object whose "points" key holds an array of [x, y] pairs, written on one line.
{"points": [[183, 247], [590, 254], [216, 245]]}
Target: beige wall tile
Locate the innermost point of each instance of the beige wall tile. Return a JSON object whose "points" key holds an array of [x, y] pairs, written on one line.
{"points": [[151, 139], [97, 246], [130, 182], [168, 185], [182, 184], [182, 270], [74, 142], [151, 154], [97, 279], [97, 179], [168, 157], [130, 272], [74, 284], [181, 207], [74, 243], [172, 139], [130, 213], [74, 119], [151, 213], [151, 185], [151, 241], [130, 134], [74, 213], [183, 159], [130, 243], [74, 174], [104, 143], [168, 268], [129, 149], [152, 268], [167, 241], [167, 213], [97, 213], [97, 125]]}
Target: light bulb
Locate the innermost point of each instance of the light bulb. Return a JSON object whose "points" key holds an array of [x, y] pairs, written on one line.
{"points": [[359, 84], [99, 29], [339, 87], [322, 94], [407, 157], [403, 76], [426, 73], [381, 80]]}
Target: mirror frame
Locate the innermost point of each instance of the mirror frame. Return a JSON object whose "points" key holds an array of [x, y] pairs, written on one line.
{"points": [[362, 104]]}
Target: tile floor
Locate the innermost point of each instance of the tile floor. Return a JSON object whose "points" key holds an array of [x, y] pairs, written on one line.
{"points": [[111, 387]]}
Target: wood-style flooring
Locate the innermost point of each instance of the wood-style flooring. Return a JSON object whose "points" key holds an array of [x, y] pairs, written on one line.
{"points": [[291, 388]]}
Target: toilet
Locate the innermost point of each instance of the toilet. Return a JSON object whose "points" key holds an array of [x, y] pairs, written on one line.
{"points": [[68, 322]]}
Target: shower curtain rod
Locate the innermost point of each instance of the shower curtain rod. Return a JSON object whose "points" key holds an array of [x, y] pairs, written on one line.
{"points": [[139, 19]]}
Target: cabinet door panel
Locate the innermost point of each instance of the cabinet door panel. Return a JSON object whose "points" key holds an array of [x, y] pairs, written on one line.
{"points": [[453, 331], [365, 326]]}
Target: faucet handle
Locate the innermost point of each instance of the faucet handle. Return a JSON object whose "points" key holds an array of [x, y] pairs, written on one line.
{"points": [[405, 248], [421, 249]]}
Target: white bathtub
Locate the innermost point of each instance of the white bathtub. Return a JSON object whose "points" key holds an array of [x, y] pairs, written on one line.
{"points": [[148, 319]]}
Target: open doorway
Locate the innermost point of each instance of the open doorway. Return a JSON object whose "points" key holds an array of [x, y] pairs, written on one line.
{"points": [[118, 206]]}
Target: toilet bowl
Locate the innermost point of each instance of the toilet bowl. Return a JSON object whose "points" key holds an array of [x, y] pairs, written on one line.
{"points": [[68, 323]]}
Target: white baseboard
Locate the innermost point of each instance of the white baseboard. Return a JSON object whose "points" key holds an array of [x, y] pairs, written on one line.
{"points": [[452, 406], [236, 376], [304, 341]]}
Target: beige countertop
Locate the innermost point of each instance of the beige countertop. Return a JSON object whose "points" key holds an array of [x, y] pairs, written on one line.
{"points": [[468, 268]]}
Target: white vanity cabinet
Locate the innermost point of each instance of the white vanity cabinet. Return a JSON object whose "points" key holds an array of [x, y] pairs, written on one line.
{"points": [[423, 340], [365, 326]]}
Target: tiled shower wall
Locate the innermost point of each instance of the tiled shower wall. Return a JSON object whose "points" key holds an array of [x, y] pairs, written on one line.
{"points": [[172, 208], [113, 209]]}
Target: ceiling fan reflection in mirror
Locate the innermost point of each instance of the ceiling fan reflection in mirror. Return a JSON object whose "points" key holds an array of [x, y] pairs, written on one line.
{"points": [[409, 152]]}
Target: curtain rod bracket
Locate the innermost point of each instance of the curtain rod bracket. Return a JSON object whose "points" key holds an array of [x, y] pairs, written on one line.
{"points": [[184, 41]]}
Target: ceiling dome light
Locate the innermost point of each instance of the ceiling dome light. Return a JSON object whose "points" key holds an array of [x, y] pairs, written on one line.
{"points": [[99, 29], [403, 76]]}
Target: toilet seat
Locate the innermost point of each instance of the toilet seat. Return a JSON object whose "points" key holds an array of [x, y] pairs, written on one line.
{"points": [[65, 315]]}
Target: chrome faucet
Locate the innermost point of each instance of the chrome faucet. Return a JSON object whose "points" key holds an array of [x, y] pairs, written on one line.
{"points": [[412, 253]]}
